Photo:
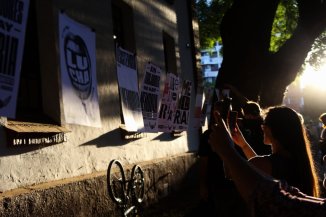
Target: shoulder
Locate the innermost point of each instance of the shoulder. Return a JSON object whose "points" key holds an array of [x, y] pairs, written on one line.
{"points": [[263, 163]]}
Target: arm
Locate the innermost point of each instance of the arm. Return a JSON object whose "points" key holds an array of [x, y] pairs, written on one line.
{"points": [[244, 175], [239, 140]]}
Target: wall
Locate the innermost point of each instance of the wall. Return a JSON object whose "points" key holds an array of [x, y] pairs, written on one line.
{"points": [[88, 150], [88, 195]]}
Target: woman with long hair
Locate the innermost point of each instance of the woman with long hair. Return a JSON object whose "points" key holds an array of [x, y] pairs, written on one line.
{"points": [[291, 157]]}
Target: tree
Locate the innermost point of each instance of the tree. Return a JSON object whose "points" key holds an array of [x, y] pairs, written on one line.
{"points": [[258, 70], [210, 17]]}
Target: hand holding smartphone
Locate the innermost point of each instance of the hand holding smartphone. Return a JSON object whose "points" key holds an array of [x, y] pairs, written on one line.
{"points": [[232, 120]]}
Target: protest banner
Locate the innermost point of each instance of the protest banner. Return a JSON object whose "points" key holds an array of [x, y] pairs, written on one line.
{"points": [[149, 97], [78, 73], [13, 19]]}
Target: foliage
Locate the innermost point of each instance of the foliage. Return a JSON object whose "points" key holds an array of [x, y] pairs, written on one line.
{"points": [[285, 22], [317, 55], [210, 17]]}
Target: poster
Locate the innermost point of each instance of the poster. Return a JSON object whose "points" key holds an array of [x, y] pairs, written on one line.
{"points": [[169, 101], [78, 73], [13, 19], [149, 97], [181, 117], [128, 88]]}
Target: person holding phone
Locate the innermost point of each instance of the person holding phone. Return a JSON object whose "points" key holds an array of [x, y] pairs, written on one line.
{"points": [[291, 157], [250, 126], [217, 194], [265, 195]]}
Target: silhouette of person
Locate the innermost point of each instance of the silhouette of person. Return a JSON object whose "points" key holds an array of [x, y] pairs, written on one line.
{"points": [[264, 195], [251, 128], [218, 195], [291, 157]]}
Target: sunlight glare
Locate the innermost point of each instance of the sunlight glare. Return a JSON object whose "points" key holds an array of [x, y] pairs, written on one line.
{"points": [[313, 78]]}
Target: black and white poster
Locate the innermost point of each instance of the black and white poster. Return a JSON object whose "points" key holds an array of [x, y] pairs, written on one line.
{"points": [[128, 88], [78, 73], [149, 97], [169, 101], [13, 19], [181, 117]]}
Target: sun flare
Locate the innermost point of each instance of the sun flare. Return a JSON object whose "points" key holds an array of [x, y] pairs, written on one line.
{"points": [[313, 78]]}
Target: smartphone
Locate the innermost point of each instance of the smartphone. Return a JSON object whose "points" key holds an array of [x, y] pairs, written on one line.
{"points": [[232, 120]]}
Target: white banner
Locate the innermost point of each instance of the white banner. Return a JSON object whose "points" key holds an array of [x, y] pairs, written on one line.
{"points": [[78, 73], [128, 87], [149, 97], [181, 117], [13, 19], [168, 103]]}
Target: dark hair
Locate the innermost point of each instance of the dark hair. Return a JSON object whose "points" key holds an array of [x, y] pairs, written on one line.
{"points": [[287, 128], [251, 108], [322, 118]]}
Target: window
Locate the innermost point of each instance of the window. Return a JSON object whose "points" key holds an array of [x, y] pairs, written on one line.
{"points": [[29, 99], [123, 25], [214, 54], [214, 67], [123, 32], [33, 124], [169, 53]]}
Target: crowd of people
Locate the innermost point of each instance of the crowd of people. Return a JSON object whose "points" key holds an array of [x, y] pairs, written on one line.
{"points": [[266, 158]]}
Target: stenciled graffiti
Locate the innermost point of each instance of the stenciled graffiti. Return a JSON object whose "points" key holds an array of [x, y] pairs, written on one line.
{"points": [[78, 65]]}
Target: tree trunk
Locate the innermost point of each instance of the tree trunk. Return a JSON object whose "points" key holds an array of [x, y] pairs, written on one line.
{"points": [[248, 64]]}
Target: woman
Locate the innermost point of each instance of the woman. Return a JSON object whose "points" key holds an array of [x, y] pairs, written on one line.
{"points": [[264, 195], [291, 158]]}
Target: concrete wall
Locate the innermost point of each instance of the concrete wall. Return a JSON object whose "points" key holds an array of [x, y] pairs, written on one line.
{"points": [[88, 150], [88, 196]]}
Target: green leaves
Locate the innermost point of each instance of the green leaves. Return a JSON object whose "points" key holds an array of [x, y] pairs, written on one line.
{"points": [[284, 24], [210, 17]]}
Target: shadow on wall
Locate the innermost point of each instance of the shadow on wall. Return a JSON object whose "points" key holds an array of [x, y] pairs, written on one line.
{"points": [[9, 150], [111, 138], [120, 137], [180, 197]]}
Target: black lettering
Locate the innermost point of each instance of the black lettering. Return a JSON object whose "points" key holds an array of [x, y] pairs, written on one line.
{"points": [[130, 99], [174, 96], [8, 54], [163, 111], [177, 117], [184, 102], [153, 69], [152, 80], [186, 89], [184, 117], [126, 59], [12, 10], [170, 112], [148, 102]]}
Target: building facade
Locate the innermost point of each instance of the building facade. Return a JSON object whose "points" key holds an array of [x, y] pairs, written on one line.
{"points": [[51, 150], [211, 61]]}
